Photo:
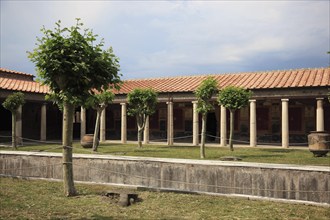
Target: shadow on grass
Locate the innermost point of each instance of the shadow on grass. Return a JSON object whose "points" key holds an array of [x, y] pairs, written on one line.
{"points": [[100, 217], [278, 150], [148, 151], [262, 156], [179, 147]]}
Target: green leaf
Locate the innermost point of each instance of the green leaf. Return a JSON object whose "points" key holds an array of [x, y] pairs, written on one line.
{"points": [[14, 101], [71, 62], [204, 93], [234, 98]]}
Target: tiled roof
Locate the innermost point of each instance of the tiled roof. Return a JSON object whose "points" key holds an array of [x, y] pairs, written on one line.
{"points": [[258, 80], [22, 86], [14, 72], [18, 81]]}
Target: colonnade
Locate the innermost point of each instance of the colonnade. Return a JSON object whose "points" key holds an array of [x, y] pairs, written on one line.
{"points": [[195, 126]]}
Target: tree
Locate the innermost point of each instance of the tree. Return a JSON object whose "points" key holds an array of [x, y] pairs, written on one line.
{"points": [[74, 66], [141, 103], [204, 93], [233, 98], [12, 103], [99, 102]]}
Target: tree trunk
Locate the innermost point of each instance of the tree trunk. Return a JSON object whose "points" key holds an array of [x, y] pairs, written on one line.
{"points": [[68, 111], [202, 148], [141, 121], [13, 130], [96, 130], [140, 133], [231, 129]]}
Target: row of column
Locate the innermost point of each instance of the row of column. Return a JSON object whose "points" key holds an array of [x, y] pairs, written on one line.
{"points": [[223, 123], [285, 121], [43, 123], [170, 123]]}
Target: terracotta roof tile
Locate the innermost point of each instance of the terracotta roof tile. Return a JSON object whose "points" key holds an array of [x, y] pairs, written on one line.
{"points": [[325, 77], [318, 78], [289, 79], [281, 81], [298, 77], [261, 80], [247, 80], [14, 72], [22, 85], [242, 80], [270, 79], [303, 80], [310, 78]]}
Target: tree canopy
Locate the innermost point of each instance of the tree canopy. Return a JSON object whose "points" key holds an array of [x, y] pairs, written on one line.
{"points": [[233, 98], [14, 101], [204, 93], [141, 104], [71, 63]]}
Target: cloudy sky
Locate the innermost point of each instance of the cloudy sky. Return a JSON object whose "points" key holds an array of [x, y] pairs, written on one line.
{"points": [[172, 38]]}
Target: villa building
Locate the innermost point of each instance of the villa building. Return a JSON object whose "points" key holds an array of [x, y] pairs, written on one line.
{"points": [[284, 108]]}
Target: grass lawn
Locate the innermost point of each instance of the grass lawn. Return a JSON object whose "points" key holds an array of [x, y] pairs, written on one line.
{"points": [[36, 199], [247, 154]]}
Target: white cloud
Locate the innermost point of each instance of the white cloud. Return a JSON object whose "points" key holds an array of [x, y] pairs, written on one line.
{"points": [[175, 36]]}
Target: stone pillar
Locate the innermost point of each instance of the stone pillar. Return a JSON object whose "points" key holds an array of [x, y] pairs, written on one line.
{"points": [[103, 125], [170, 130], [82, 122], [223, 126], [285, 123], [319, 115], [195, 124], [123, 123], [19, 139], [146, 132], [43, 122], [253, 123]]}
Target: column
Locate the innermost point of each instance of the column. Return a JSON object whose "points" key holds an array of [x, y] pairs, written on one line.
{"points": [[170, 132], [82, 122], [285, 123], [123, 123], [19, 140], [102, 125], [319, 115], [253, 123], [146, 132], [223, 126], [195, 124], [43, 122]]}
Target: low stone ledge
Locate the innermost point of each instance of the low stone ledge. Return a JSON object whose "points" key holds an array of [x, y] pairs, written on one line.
{"points": [[278, 181]]}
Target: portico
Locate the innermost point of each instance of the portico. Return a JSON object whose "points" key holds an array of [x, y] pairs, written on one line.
{"points": [[282, 111]]}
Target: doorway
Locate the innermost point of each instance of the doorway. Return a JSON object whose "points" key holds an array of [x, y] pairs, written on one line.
{"points": [[211, 126]]}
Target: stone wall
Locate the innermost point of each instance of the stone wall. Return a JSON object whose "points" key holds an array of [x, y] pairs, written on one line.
{"points": [[306, 183]]}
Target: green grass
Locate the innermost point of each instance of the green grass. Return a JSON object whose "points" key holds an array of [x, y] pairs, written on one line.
{"points": [[247, 154], [36, 199]]}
